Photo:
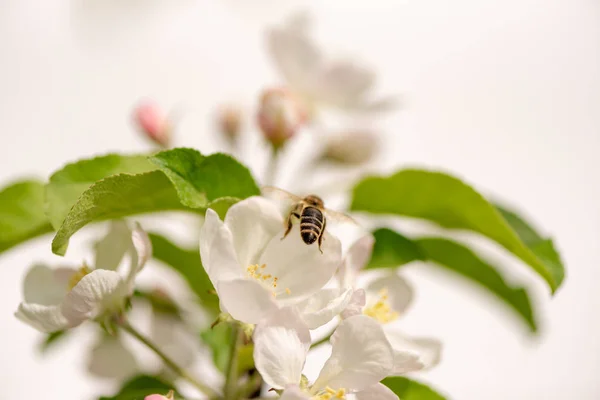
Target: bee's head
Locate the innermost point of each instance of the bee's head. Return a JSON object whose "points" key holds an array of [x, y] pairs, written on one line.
{"points": [[314, 200]]}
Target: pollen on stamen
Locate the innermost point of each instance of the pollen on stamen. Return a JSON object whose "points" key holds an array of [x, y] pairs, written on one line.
{"points": [[329, 393], [288, 291], [381, 309], [78, 276], [253, 272]]}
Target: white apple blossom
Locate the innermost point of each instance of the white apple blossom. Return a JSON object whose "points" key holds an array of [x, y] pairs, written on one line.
{"points": [[361, 357], [385, 299], [256, 271], [62, 298], [317, 79]]}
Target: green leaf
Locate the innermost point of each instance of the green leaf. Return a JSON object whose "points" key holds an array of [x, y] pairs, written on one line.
{"points": [[115, 197], [69, 183], [22, 213], [391, 248], [188, 264], [117, 186], [408, 389], [201, 179], [139, 387], [449, 202], [543, 248]]}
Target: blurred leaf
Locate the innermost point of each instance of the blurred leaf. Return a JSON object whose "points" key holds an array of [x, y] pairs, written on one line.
{"points": [[245, 358], [449, 202], [115, 197], [188, 264], [408, 389], [543, 248], [219, 339], [139, 387], [22, 213], [392, 250], [51, 339], [454, 257], [68, 184], [201, 179]]}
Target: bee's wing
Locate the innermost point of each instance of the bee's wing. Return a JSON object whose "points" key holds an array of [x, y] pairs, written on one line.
{"points": [[285, 200], [339, 217]]}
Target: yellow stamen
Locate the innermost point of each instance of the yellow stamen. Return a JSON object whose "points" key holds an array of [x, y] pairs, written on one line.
{"points": [[78, 276], [329, 393], [288, 291], [381, 309], [253, 272]]}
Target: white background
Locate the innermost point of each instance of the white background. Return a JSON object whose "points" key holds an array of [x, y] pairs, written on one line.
{"points": [[505, 94]]}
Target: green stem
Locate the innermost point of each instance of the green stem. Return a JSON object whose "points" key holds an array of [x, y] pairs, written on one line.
{"points": [[166, 359], [231, 373]]}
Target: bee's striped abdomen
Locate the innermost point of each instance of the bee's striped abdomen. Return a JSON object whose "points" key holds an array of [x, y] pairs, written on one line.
{"points": [[311, 224]]}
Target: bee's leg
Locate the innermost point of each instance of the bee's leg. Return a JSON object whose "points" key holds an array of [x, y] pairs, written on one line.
{"points": [[322, 235], [294, 213]]}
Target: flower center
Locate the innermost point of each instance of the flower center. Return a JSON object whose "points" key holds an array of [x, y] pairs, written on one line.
{"points": [[329, 393], [78, 275], [258, 272], [381, 309]]}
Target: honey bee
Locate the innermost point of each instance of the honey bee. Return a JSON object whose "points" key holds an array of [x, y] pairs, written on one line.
{"points": [[311, 212]]}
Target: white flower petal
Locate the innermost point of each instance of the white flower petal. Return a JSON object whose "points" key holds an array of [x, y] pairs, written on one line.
{"points": [[361, 356], [111, 249], [405, 362], [281, 343], [246, 300], [344, 84], [346, 230], [428, 350], [42, 285], [253, 222], [355, 305], [217, 251], [110, 358], [43, 318], [301, 269], [323, 306], [355, 259], [142, 247], [296, 56], [293, 392], [400, 293], [376, 392], [98, 291]]}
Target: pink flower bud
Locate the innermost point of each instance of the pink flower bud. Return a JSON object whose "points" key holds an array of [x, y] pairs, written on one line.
{"points": [[353, 147], [229, 122], [280, 115], [153, 123], [169, 396]]}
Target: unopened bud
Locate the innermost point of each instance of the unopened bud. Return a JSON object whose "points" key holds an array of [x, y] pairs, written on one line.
{"points": [[280, 116], [229, 122], [168, 396], [153, 123], [354, 147]]}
